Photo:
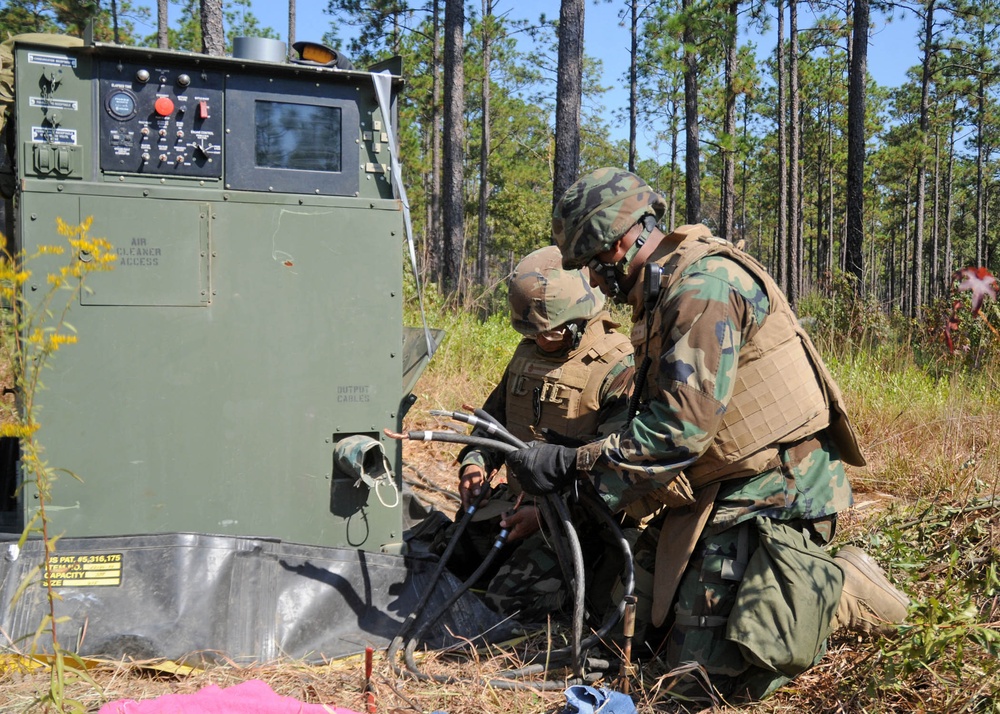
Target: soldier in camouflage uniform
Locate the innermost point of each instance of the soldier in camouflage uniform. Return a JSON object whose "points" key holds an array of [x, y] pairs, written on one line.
{"points": [[737, 451], [571, 374]]}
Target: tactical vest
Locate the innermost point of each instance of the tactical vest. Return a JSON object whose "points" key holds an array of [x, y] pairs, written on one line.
{"points": [[783, 391], [562, 392]]}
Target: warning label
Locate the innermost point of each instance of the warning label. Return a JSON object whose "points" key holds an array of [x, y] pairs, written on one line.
{"points": [[85, 570]]}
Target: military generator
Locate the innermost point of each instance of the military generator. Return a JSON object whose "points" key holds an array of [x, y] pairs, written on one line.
{"points": [[223, 407]]}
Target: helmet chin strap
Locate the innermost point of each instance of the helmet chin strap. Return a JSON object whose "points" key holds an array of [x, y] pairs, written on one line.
{"points": [[609, 277], [616, 276]]}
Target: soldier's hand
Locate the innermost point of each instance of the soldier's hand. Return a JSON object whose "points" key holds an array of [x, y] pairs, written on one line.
{"points": [[521, 523], [471, 482], [543, 468]]}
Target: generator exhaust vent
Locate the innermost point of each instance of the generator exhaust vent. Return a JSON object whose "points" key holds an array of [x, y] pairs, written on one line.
{"points": [[263, 49]]}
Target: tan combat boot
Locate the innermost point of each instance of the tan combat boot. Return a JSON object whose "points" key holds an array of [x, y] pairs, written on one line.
{"points": [[869, 602]]}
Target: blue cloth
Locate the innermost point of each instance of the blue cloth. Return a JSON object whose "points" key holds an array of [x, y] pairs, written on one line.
{"points": [[581, 699]]}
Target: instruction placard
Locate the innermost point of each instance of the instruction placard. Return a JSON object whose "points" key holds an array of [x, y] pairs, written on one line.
{"points": [[91, 570]]}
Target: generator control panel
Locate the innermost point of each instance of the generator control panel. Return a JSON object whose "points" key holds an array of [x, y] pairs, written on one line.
{"points": [[159, 119], [130, 116]]}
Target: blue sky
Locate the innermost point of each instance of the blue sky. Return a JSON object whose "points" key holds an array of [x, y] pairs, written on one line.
{"points": [[892, 51]]}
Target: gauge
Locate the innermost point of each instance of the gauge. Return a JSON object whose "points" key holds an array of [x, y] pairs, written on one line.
{"points": [[121, 105]]}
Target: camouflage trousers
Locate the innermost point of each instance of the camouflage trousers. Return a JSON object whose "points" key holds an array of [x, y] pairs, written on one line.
{"points": [[529, 586], [696, 630]]}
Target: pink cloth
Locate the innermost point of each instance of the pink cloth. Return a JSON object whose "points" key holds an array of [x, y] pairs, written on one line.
{"points": [[251, 697]]}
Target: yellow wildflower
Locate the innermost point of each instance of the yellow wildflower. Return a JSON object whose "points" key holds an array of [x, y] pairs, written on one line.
{"points": [[9, 273], [18, 431], [65, 229], [55, 340]]}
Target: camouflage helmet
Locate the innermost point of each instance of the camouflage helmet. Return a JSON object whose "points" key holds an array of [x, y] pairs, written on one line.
{"points": [[544, 296], [599, 209]]}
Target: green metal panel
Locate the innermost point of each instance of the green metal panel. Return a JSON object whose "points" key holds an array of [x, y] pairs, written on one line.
{"points": [[54, 109], [162, 249], [222, 417], [240, 336]]}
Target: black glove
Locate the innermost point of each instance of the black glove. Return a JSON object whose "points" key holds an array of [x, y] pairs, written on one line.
{"points": [[543, 468]]}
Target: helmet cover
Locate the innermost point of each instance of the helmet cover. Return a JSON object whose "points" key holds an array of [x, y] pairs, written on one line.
{"points": [[544, 296], [599, 209]]}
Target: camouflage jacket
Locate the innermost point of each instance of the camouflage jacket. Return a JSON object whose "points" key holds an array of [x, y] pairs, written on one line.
{"points": [[709, 315], [612, 393]]}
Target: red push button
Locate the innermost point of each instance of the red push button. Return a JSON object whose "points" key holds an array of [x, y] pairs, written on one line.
{"points": [[164, 106]]}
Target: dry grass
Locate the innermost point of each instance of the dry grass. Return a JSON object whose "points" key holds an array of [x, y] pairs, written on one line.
{"points": [[341, 683], [467, 690], [922, 437]]}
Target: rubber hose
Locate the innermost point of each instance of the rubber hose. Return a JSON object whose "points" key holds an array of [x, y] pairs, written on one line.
{"points": [[491, 428], [579, 580], [452, 437], [415, 613], [452, 599]]}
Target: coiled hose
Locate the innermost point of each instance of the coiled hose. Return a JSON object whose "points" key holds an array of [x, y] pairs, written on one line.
{"points": [[567, 547]]}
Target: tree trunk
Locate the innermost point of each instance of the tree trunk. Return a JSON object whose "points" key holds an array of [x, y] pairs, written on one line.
{"points": [[633, 100], [917, 298], [569, 94], [114, 22], [828, 262], [291, 24], [674, 132], [856, 142], [815, 263], [906, 276], [935, 224], [452, 199], [435, 238], [162, 23], [794, 155], [893, 278], [484, 152], [213, 38], [745, 169], [728, 218], [980, 166], [692, 148], [949, 266], [781, 252], [985, 259]]}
